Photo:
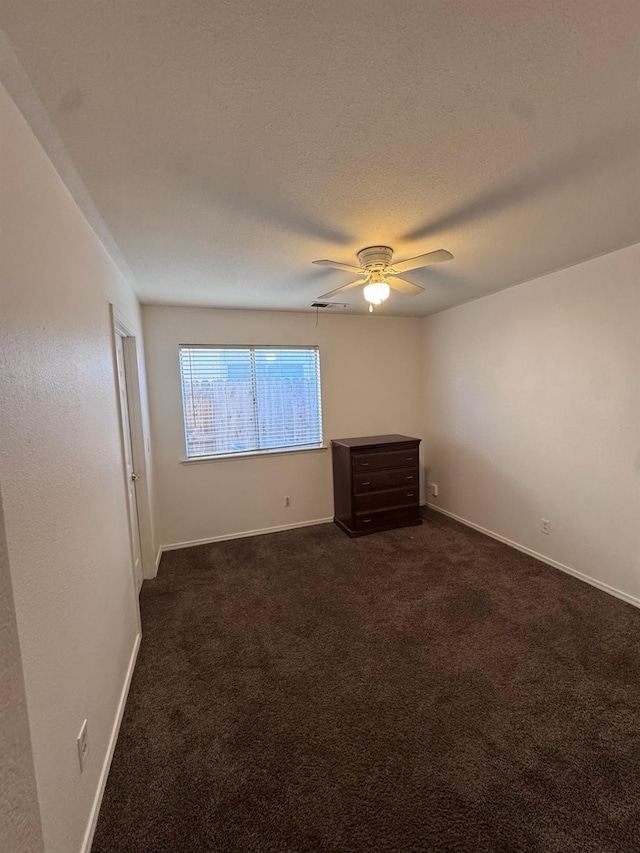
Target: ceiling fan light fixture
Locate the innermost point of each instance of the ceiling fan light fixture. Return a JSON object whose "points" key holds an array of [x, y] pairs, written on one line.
{"points": [[376, 292]]}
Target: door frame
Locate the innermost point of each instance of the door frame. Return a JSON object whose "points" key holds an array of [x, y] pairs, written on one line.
{"points": [[122, 328]]}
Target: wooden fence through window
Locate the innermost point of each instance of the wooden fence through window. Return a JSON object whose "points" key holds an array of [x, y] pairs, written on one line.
{"points": [[222, 417]]}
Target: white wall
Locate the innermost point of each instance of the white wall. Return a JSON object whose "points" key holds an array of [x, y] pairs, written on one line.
{"points": [[371, 377], [62, 478], [532, 410]]}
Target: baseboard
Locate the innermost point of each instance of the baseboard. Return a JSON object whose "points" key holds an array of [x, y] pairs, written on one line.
{"points": [[630, 599], [158, 558], [246, 533], [97, 801]]}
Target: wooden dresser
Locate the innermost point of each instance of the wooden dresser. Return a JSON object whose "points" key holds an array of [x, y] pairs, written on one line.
{"points": [[376, 483]]}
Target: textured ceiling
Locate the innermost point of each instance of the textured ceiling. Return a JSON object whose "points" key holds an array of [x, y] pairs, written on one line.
{"points": [[227, 145]]}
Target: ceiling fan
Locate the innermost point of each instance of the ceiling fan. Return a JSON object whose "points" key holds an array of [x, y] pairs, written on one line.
{"points": [[376, 267]]}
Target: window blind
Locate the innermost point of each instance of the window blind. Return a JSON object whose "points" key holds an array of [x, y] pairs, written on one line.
{"points": [[248, 399]]}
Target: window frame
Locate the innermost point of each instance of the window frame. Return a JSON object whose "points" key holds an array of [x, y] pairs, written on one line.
{"points": [[260, 452]]}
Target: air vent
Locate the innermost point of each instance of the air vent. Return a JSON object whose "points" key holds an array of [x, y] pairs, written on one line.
{"points": [[328, 304]]}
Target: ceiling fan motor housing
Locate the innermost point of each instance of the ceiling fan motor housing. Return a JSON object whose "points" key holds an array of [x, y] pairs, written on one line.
{"points": [[375, 257]]}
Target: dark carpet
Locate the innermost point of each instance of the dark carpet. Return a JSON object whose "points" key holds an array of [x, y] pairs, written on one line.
{"points": [[426, 689]]}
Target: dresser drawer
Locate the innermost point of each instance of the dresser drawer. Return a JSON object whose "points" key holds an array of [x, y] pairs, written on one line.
{"points": [[385, 480], [384, 459], [386, 518], [387, 499]]}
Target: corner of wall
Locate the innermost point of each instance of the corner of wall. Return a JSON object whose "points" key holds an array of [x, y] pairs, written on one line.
{"points": [[20, 827]]}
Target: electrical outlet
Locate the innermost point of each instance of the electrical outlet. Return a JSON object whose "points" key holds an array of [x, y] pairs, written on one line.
{"points": [[287, 501], [83, 745], [545, 526], [433, 489]]}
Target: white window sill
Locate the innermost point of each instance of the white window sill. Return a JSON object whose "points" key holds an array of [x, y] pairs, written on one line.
{"points": [[281, 451]]}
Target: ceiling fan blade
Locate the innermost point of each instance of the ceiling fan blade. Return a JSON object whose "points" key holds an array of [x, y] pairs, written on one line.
{"points": [[404, 286], [337, 265], [343, 288], [423, 260]]}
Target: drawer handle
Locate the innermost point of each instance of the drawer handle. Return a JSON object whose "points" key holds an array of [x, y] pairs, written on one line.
{"points": [[363, 464], [368, 483], [366, 521], [410, 458], [409, 494], [409, 477]]}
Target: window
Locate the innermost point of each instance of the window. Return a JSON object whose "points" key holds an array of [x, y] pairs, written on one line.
{"points": [[250, 399]]}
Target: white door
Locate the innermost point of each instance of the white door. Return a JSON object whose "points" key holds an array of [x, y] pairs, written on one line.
{"points": [[130, 473]]}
